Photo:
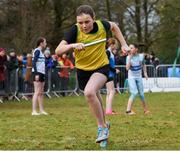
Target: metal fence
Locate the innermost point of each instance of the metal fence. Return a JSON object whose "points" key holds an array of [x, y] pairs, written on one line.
{"points": [[55, 84], [19, 85]]}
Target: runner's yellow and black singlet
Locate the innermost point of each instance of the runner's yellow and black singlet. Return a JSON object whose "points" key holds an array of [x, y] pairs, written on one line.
{"points": [[93, 57]]}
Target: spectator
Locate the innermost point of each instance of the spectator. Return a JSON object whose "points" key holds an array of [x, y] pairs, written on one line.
{"points": [[123, 73], [152, 56], [65, 66], [22, 71], [134, 65], [27, 78], [49, 64], [54, 76], [111, 44], [12, 65], [116, 78], [3, 60], [156, 62], [38, 77], [24, 63], [48, 59], [147, 58], [12, 60]]}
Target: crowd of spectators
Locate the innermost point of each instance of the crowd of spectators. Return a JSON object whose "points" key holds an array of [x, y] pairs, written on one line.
{"points": [[151, 59], [58, 69], [56, 78]]}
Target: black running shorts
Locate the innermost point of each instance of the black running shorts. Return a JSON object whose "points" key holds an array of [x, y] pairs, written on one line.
{"points": [[84, 76], [41, 77]]}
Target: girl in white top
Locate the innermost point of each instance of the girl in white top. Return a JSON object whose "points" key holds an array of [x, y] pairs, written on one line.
{"points": [[38, 76], [135, 65]]}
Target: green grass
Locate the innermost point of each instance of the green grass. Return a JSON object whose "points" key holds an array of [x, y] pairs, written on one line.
{"points": [[71, 126]]}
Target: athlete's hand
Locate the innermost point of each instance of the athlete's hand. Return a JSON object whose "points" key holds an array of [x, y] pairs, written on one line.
{"points": [[78, 46], [125, 48]]}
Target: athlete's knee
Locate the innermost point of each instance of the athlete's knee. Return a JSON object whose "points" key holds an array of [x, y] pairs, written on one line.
{"points": [[36, 93], [89, 94]]}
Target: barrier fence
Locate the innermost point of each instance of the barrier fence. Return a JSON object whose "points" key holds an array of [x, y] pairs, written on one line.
{"points": [[19, 85]]}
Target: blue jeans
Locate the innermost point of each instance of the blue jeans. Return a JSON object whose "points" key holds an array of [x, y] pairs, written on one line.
{"points": [[135, 87]]}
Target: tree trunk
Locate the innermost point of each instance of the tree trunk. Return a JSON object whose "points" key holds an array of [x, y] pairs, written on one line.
{"points": [[108, 10], [138, 20], [145, 25]]}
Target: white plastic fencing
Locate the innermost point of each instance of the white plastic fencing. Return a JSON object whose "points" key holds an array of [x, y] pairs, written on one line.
{"points": [[160, 80], [169, 84]]}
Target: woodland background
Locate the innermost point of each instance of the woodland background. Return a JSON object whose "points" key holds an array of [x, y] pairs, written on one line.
{"points": [[154, 24]]}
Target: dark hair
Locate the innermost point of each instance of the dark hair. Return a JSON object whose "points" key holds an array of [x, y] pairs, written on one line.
{"points": [[135, 45], [11, 50], [40, 40], [24, 53], [85, 9]]}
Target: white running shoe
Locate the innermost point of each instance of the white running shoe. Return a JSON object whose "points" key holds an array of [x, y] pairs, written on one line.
{"points": [[43, 113], [34, 113]]}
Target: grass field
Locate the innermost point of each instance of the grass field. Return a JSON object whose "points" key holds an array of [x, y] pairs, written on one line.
{"points": [[70, 125]]}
